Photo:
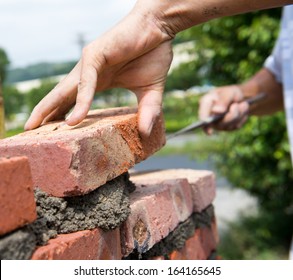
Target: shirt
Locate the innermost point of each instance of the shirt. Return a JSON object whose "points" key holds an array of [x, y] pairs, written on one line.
{"points": [[280, 63]]}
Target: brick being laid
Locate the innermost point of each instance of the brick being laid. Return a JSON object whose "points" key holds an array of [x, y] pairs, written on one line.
{"points": [[202, 183], [17, 202], [69, 161]]}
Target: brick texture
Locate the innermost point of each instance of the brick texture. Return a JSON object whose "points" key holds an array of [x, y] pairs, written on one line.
{"points": [[202, 183], [17, 203], [83, 245], [68, 161]]}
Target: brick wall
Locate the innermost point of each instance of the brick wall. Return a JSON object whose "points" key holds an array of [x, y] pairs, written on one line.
{"points": [[69, 193]]}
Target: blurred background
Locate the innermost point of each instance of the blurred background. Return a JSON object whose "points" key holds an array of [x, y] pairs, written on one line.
{"points": [[41, 41]]}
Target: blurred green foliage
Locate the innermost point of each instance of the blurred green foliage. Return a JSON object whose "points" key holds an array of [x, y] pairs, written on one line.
{"points": [[228, 50], [257, 159], [179, 112], [4, 62], [13, 101], [254, 238]]}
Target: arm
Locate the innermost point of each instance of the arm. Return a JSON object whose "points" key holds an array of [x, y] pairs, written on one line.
{"points": [[136, 54], [178, 15], [231, 98], [264, 81]]}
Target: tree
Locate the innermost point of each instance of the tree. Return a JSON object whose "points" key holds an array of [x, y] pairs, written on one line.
{"points": [[4, 62], [228, 50]]}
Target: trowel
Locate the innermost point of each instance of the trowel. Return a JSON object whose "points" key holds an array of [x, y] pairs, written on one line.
{"points": [[212, 119]]}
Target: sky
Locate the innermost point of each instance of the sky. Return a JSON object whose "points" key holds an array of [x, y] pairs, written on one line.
{"points": [[33, 31]]}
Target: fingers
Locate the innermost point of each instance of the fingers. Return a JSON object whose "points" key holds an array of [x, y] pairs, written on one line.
{"points": [[61, 94], [205, 109], [60, 112], [234, 118], [149, 109], [86, 86], [220, 101]]}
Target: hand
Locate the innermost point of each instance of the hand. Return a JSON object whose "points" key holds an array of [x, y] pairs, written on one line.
{"points": [[224, 99], [136, 54]]}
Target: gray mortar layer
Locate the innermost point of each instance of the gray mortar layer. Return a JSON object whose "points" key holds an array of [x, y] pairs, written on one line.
{"points": [[177, 238], [106, 208], [18, 245]]}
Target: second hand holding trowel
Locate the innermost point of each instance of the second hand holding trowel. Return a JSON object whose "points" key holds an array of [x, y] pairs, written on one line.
{"points": [[212, 119]]}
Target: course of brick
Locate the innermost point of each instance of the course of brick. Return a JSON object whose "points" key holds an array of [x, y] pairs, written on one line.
{"points": [[89, 212], [69, 161]]}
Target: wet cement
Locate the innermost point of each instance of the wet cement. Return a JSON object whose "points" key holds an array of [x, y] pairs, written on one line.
{"points": [[106, 208], [177, 238]]}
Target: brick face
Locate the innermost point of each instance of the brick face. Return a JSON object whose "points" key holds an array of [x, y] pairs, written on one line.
{"points": [[83, 245], [202, 183], [68, 161], [17, 203]]}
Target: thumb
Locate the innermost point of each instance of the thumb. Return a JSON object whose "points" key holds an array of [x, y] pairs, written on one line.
{"points": [[149, 109]]}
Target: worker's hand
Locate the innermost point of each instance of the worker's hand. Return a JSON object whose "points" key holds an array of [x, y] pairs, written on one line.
{"points": [[224, 99], [136, 54]]}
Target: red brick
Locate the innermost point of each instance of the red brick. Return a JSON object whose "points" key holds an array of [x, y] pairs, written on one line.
{"points": [[202, 183], [155, 211], [17, 202], [67, 161], [209, 238], [83, 245]]}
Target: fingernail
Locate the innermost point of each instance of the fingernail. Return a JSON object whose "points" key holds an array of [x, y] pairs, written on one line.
{"points": [[68, 116], [27, 125], [150, 128]]}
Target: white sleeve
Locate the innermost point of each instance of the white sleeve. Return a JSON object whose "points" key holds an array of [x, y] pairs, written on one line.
{"points": [[274, 62]]}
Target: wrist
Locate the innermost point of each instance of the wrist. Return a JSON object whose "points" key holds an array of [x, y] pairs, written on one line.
{"points": [[172, 16], [248, 89]]}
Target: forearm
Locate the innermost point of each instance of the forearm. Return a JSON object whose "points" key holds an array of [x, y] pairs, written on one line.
{"points": [[264, 82], [177, 15]]}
